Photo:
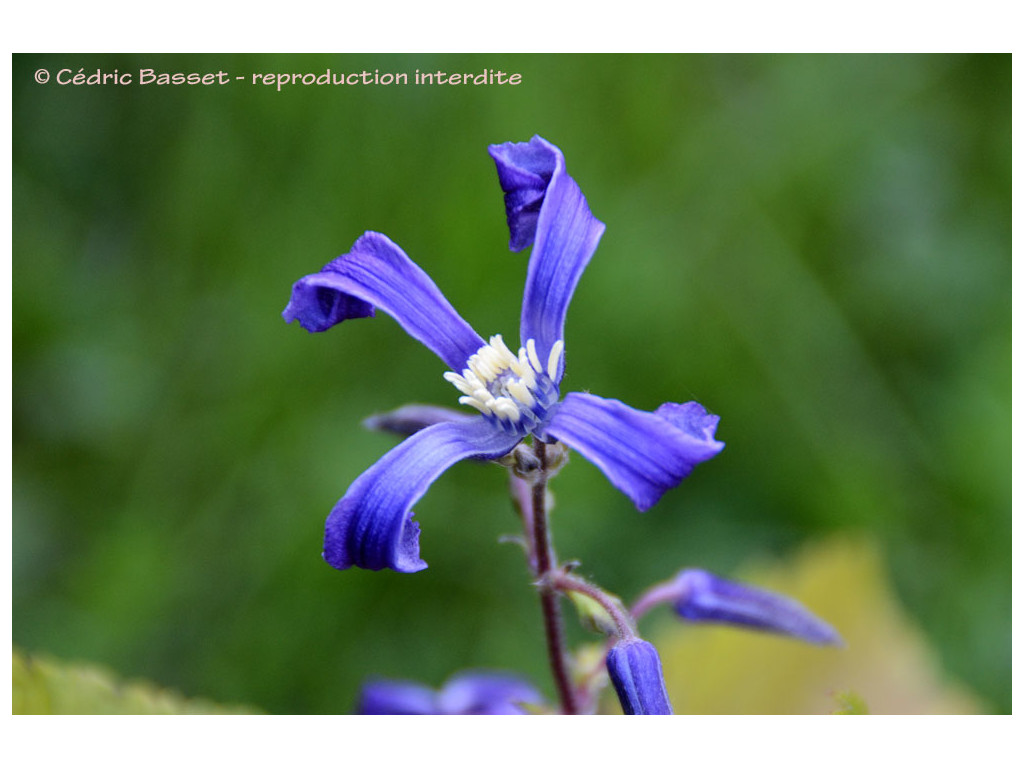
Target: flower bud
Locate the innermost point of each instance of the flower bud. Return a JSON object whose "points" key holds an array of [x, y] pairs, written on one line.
{"points": [[635, 671], [703, 597]]}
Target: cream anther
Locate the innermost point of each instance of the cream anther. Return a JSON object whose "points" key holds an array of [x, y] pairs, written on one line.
{"points": [[505, 407], [498, 344], [531, 350], [514, 388], [482, 407], [520, 392], [554, 358]]}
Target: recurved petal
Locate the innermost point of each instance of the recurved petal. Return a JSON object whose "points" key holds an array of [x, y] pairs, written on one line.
{"points": [[371, 526], [704, 597], [524, 171], [545, 206], [643, 454], [635, 671], [396, 697], [377, 273]]}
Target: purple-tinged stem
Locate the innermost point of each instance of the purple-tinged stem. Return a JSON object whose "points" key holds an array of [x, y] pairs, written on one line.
{"points": [[659, 593], [545, 562], [624, 629]]}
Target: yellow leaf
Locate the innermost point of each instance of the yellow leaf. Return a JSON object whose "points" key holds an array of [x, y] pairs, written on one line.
{"points": [[43, 686], [887, 661]]}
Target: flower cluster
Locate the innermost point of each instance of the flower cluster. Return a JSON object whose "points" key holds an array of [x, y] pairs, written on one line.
{"points": [[518, 415]]}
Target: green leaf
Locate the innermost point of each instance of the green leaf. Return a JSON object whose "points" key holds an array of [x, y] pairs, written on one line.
{"points": [[44, 686]]}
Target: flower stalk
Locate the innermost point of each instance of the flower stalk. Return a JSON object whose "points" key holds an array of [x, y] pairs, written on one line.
{"points": [[545, 566], [618, 624]]}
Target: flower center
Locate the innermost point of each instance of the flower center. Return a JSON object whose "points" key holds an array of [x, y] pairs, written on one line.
{"points": [[513, 391]]}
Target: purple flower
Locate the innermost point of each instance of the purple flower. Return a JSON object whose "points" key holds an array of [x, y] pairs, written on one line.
{"points": [[635, 671], [467, 693], [516, 393], [700, 596]]}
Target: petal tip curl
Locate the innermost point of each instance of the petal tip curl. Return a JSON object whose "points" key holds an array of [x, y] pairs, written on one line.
{"points": [[694, 419], [524, 171], [377, 274], [355, 535], [372, 526], [318, 306]]}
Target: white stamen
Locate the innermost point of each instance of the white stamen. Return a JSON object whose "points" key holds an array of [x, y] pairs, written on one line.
{"points": [[529, 377], [498, 344], [521, 393], [479, 366], [511, 387], [505, 407], [553, 359], [482, 407], [491, 357], [531, 350], [459, 383]]}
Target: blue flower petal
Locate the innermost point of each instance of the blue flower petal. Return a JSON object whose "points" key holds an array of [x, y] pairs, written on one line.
{"points": [[371, 526], [377, 273], [690, 417], [635, 671], [478, 692], [524, 171], [643, 454], [486, 693], [394, 697], [704, 597], [545, 206], [410, 419]]}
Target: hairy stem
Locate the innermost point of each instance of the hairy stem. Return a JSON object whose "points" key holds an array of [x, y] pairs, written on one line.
{"points": [[659, 593], [545, 564], [624, 628]]}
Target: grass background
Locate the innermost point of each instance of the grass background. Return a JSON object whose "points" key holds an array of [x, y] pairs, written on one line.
{"points": [[815, 247]]}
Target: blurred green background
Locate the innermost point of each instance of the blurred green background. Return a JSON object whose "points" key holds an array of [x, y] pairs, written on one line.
{"points": [[817, 248]]}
